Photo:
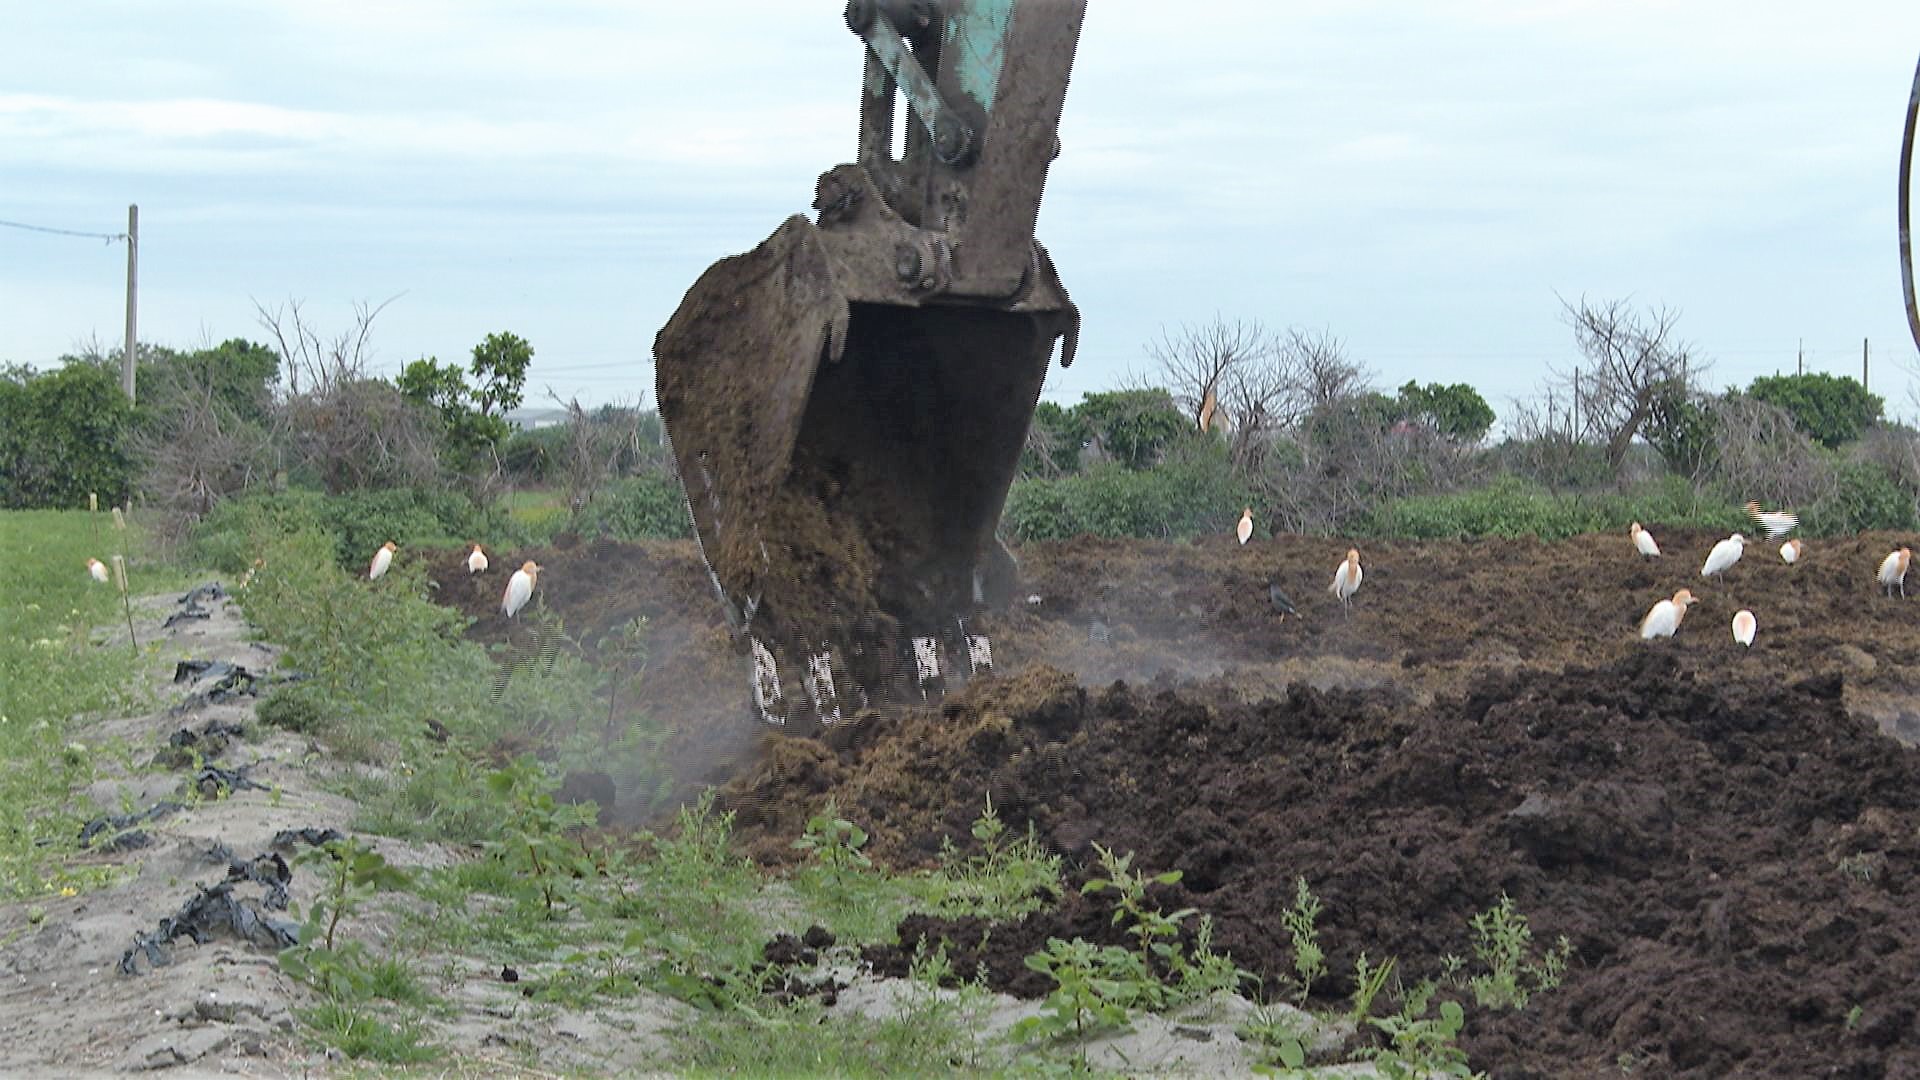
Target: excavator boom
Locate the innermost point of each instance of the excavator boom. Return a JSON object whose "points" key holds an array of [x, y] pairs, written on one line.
{"points": [[847, 402]]}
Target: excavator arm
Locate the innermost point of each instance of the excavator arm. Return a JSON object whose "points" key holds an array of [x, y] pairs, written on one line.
{"points": [[847, 402], [1906, 215]]}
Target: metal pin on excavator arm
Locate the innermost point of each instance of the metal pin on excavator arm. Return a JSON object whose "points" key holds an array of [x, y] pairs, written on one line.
{"points": [[847, 402]]}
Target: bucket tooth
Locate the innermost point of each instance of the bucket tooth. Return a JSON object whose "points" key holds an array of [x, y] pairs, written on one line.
{"points": [[826, 700], [979, 653], [926, 663], [767, 696]]}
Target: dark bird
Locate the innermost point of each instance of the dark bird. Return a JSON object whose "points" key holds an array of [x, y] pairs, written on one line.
{"points": [[1279, 600]]}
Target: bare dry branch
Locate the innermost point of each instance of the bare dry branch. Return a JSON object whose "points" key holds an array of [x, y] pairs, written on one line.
{"points": [[1630, 360]]}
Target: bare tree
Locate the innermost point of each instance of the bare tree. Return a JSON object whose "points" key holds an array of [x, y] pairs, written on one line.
{"points": [[1631, 359], [1263, 384], [1197, 361], [1321, 371], [1348, 459], [198, 451], [1543, 441], [304, 354], [1758, 453], [594, 448], [349, 430]]}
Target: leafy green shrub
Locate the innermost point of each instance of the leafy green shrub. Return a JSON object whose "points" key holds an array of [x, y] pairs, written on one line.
{"points": [[1864, 497], [233, 534], [363, 520], [1193, 491], [1830, 409], [387, 661], [1510, 507], [63, 433], [291, 708], [648, 507], [358, 522]]}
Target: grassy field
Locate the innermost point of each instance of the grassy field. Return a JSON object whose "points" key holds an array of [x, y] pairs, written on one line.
{"points": [[54, 667]]}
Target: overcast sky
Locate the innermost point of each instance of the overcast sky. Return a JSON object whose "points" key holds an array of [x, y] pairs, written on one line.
{"points": [[1421, 180]]}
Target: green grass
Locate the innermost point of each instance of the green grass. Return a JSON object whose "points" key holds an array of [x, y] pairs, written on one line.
{"points": [[51, 673], [928, 1036], [358, 1032], [535, 514], [1513, 508]]}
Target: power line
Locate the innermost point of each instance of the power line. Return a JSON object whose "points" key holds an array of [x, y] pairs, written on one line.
{"points": [[108, 237]]}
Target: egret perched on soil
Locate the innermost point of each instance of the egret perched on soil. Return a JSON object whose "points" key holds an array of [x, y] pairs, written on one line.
{"points": [[1724, 554], [1664, 617], [1744, 626], [1893, 571], [1775, 523], [1346, 580], [1790, 551], [477, 561], [1244, 530], [98, 569], [1643, 541], [381, 560], [1279, 600], [519, 588]]}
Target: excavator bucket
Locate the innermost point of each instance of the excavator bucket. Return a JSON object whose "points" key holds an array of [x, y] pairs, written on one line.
{"points": [[847, 403]]}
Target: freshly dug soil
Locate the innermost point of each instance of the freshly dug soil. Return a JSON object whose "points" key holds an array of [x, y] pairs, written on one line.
{"points": [[1725, 835], [1732, 861]]}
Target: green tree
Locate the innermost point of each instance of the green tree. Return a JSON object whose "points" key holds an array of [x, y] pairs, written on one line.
{"points": [[471, 404], [1053, 442], [499, 369], [240, 374], [63, 433], [1455, 410], [1829, 409], [1681, 429], [1134, 426]]}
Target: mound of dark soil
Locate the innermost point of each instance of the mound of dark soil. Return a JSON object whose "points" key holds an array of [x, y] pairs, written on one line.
{"points": [[1731, 859]]}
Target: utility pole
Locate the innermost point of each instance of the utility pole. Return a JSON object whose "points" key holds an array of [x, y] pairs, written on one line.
{"points": [[1863, 363], [1800, 362], [133, 307]]}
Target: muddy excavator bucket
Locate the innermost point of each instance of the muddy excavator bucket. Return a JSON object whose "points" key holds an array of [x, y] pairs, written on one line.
{"points": [[847, 403]]}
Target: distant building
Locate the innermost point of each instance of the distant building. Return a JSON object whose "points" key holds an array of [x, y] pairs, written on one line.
{"points": [[533, 419]]}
